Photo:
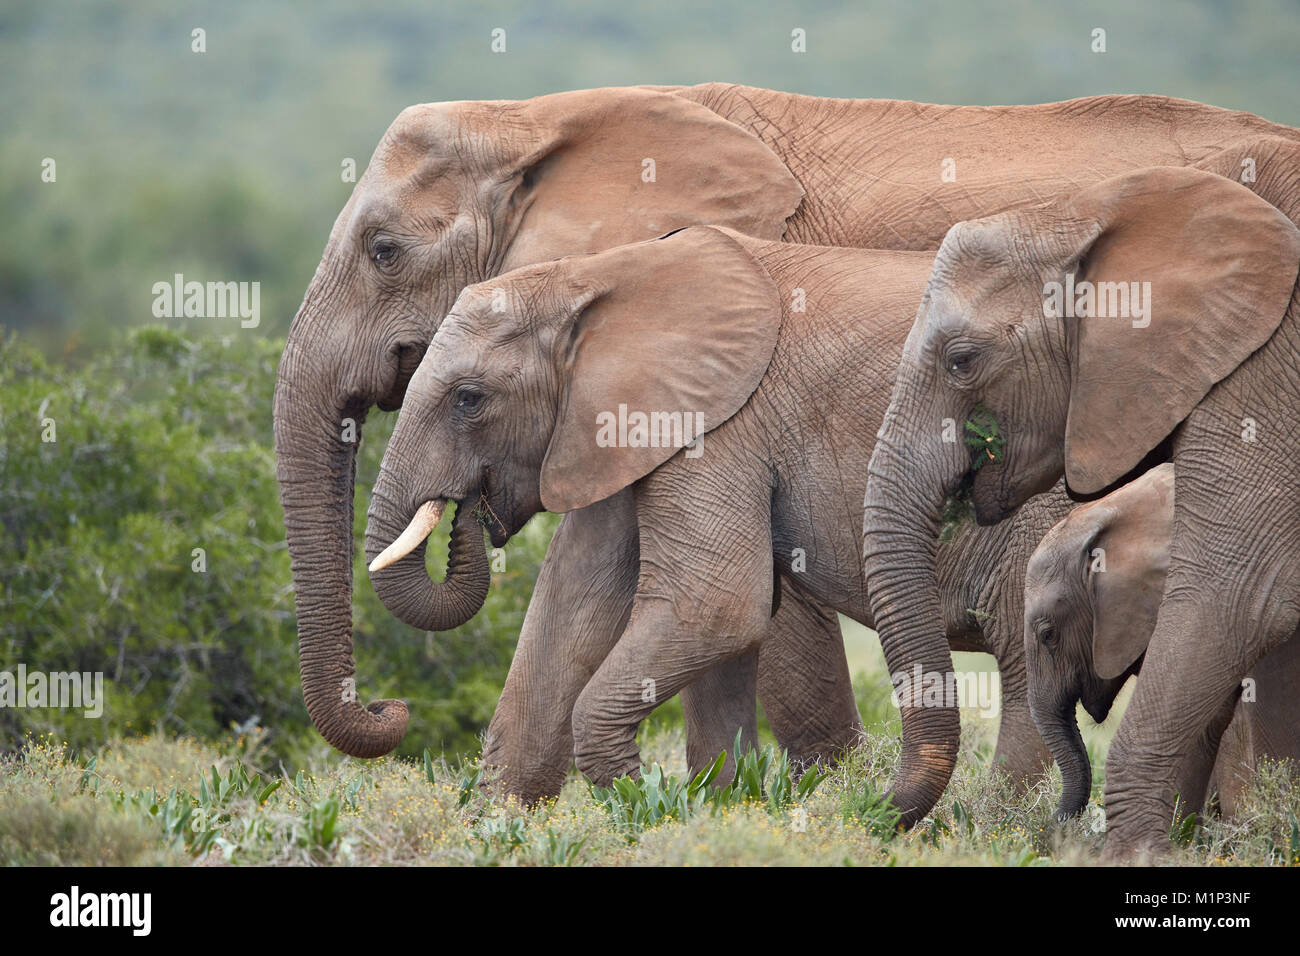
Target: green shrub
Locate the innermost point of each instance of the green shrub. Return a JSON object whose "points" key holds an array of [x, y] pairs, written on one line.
{"points": [[146, 542]]}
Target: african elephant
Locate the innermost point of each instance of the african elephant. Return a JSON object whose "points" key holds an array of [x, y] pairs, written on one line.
{"points": [[458, 192], [506, 414], [1025, 319], [1092, 593]]}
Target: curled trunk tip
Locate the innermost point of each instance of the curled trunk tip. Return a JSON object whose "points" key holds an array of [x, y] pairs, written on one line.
{"points": [[318, 526], [405, 586], [370, 731]]}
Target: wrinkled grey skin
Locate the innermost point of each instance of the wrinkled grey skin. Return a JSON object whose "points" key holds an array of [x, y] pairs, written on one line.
{"points": [[1267, 726], [1233, 589], [781, 476], [1095, 580], [1092, 593], [456, 192]]}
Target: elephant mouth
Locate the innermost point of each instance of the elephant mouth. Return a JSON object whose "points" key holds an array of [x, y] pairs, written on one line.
{"points": [[497, 531], [426, 519], [421, 526], [1098, 701], [992, 497], [500, 521]]}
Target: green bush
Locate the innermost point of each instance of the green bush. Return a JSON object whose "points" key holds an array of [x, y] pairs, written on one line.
{"points": [[146, 541]]}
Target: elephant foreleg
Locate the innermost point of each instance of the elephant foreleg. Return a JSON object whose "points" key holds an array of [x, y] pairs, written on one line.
{"points": [[1166, 743], [579, 607], [803, 683], [1201, 649], [1232, 595], [690, 615]]}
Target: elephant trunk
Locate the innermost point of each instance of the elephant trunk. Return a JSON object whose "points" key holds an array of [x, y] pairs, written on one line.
{"points": [[1059, 728], [401, 578], [899, 562], [315, 466]]}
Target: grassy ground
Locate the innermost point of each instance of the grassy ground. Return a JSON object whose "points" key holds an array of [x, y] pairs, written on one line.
{"points": [[150, 801], [154, 801]]}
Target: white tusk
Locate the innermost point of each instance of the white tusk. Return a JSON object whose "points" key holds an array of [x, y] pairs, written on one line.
{"points": [[421, 526]]}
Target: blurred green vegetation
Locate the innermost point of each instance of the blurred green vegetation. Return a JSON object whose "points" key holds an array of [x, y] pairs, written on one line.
{"points": [[163, 446], [225, 165]]}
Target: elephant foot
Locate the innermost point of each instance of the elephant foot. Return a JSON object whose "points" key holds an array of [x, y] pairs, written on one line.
{"points": [[1142, 853], [510, 771], [604, 757], [825, 750], [1134, 838], [603, 771], [529, 789]]}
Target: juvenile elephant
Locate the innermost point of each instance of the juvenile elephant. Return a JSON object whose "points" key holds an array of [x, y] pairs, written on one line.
{"points": [[1188, 367], [1092, 594], [529, 398], [459, 192]]}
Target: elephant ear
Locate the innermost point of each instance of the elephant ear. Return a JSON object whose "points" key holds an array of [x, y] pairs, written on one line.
{"points": [[1133, 529], [606, 167], [682, 326], [1221, 264]]}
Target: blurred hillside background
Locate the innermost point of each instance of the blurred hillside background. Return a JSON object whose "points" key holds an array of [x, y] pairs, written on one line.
{"points": [[226, 165]]}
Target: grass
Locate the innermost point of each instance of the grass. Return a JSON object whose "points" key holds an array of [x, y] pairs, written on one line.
{"points": [[153, 801]]}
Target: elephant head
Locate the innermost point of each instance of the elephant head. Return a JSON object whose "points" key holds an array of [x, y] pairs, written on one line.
{"points": [[1092, 592], [456, 193], [512, 406], [1046, 382]]}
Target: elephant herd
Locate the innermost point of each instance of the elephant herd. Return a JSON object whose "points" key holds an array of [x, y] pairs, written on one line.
{"points": [[756, 347]]}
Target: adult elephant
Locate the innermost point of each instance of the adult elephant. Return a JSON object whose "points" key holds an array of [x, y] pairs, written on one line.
{"points": [[458, 192], [1184, 367], [1092, 593], [697, 337]]}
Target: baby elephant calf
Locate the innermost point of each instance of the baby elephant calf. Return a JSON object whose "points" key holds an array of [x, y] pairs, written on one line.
{"points": [[1092, 592]]}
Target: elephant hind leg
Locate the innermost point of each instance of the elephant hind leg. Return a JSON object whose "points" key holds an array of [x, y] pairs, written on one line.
{"points": [[716, 706], [804, 683], [1020, 752]]}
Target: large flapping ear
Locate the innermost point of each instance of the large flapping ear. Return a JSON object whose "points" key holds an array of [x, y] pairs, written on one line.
{"points": [[1214, 266], [1133, 528], [605, 167], [673, 346], [1269, 166]]}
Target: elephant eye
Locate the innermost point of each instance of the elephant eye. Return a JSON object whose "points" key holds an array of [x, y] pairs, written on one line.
{"points": [[1046, 633], [384, 253], [960, 362], [467, 399]]}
